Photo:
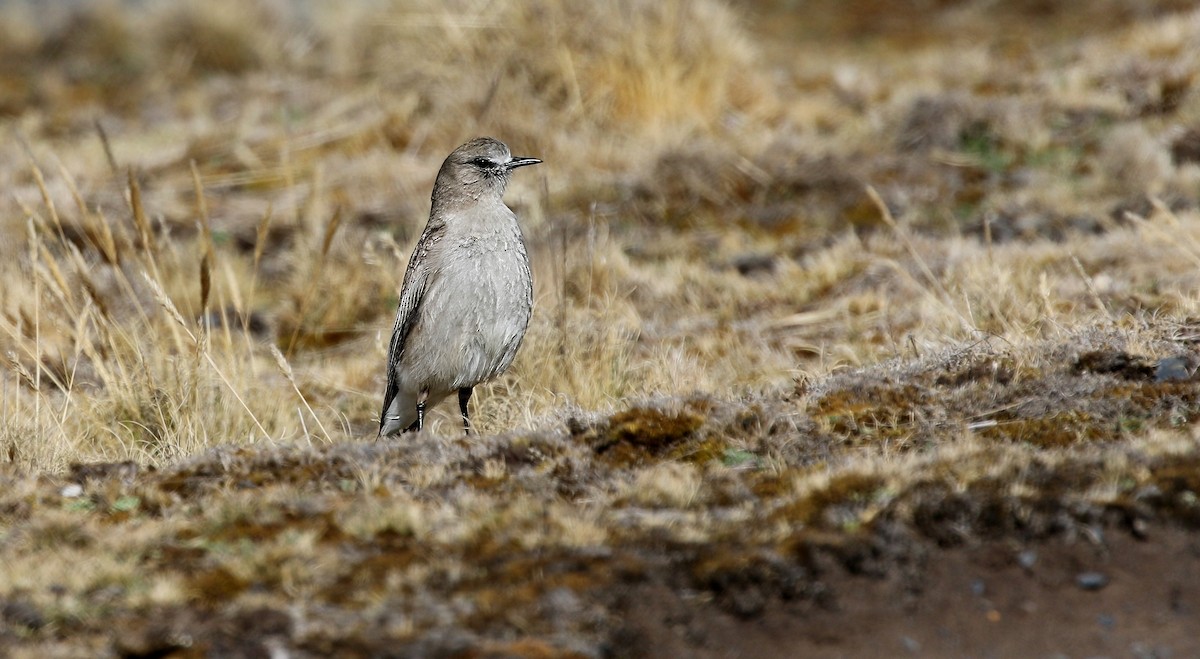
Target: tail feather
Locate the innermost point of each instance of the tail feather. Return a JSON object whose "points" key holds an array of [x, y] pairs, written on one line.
{"points": [[401, 413]]}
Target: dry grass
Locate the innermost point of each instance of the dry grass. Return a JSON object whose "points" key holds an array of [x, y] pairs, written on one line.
{"points": [[785, 289], [260, 221]]}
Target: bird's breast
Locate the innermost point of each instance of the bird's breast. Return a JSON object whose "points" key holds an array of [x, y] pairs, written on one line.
{"points": [[477, 306]]}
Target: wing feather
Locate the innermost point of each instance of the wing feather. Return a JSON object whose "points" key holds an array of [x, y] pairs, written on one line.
{"points": [[412, 291]]}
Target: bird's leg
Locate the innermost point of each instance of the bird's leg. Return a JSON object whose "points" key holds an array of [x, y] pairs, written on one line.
{"points": [[420, 422], [416, 425], [464, 395]]}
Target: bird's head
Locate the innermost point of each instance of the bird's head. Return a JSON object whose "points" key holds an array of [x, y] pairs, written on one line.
{"points": [[477, 168]]}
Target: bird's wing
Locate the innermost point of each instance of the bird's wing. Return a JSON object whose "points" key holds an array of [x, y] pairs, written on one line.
{"points": [[411, 292]]}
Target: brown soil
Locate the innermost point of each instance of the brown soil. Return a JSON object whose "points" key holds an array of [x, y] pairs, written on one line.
{"points": [[1108, 593], [993, 599]]}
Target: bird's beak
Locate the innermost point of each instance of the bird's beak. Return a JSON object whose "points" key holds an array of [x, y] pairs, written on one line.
{"points": [[521, 162]]}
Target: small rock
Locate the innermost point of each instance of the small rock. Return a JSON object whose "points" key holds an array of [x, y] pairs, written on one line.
{"points": [[72, 491], [978, 588], [1173, 369], [1027, 559], [1140, 529], [1091, 580]]}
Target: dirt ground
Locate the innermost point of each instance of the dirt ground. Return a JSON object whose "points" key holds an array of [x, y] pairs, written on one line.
{"points": [[1122, 596], [1110, 593]]}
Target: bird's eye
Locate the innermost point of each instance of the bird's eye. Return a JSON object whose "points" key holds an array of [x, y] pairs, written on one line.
{"points": [[483, 163]]}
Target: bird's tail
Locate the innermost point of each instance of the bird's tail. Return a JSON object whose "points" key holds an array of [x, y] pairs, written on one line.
{"points": [[399, 414]]}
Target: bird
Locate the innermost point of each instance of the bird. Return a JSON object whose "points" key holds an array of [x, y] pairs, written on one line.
{"points": [[467, 295]]}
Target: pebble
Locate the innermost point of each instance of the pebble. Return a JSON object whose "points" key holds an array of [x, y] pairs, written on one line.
{"points": [[1091, 580], [72, 491], [1173, 369], [1027, 559]]}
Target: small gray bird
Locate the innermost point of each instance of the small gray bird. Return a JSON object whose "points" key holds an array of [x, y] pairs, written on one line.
{"points": [[467, 293]]}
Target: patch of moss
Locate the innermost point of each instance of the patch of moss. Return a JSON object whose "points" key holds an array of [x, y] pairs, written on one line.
{"points": [[1064, 428], [183, 558], [653, 428], [1128, 407], [940, 512], [638, 434], [528, 450], [267, 525], [848, 492], [980, 140], [216, 584], [1179, 398], [485, 483], [701, 452], [744, 582], [386, 552], [769, 486], [245, 468], [1178, 477], [872, 413], [1054, 480], [503, 594]]}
